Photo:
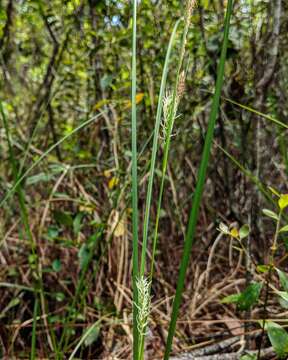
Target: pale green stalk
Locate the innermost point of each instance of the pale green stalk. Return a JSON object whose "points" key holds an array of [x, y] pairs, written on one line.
{"points": [[134, 183]]}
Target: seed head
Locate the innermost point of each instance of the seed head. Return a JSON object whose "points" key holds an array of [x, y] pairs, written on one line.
{"points": [[144, 304], [181, 85], [169, 113], [190, 5]]}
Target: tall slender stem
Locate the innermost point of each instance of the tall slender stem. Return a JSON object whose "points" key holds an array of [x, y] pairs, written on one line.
{"points": [[134, 183]]}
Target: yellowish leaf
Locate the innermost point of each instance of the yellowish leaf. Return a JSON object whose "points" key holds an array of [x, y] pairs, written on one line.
{"points": [[117, 225], [113, 182], [139, 98], [120, 228], [86, 208], [283, 201], [100, 103], [129, 211], [107, 173], [275, 192], [234, 233]]}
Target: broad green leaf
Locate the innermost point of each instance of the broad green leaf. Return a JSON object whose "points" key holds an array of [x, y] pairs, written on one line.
{"points": [[283, 201], [244, 231], [283, 277], [284, 229], [249, 296], [270, 214], [278, 338]]}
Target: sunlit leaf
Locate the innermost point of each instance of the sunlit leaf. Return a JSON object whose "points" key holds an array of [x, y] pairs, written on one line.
{"points": [[244, 231], [234, 233], [113, 183], [263, 268], [275, 192], [283, 201], [270, 214], [284, 229]]}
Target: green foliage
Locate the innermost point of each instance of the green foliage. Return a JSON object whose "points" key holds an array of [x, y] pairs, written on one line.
{"points": [[283, 277], [246, 299], [249, 296], [92, 336], [56, 265], [63, 218], [283, 201], [278, 338], [271, 214], [263, 268], [249, 357], [66, 77], [244, 231], [231, 299], [284, 229]]}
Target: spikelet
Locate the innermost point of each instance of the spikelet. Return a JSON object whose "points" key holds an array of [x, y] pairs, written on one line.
{"points": [[190, 5], [181, 85], [169, 114], [144, 304]]}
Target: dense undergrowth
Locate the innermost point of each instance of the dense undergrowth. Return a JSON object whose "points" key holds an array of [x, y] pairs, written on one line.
{"points": [[93, 231]]}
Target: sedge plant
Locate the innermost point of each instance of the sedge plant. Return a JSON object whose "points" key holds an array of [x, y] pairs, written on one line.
{"points": [[167, 105], [170, 107], [190, 235]]}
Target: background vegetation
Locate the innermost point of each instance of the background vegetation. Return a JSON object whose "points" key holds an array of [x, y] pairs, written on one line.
{"points": [[66, 242]]}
